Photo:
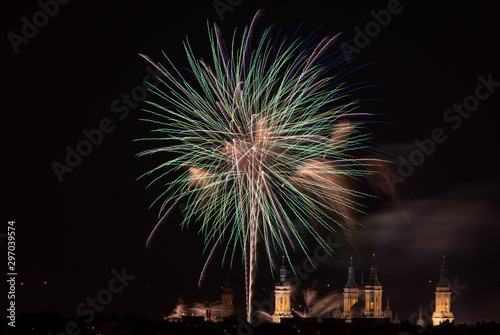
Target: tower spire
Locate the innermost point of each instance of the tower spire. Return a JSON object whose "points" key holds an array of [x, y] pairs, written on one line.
{"points": [[395, 320], [373, 293], [351, 281], [282, 271], [373, 273], [442, 310], [420, 321], [443, 278], [282, 292], [350, 291], [387, 311]]}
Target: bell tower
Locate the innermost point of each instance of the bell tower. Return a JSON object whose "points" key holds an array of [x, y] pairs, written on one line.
{"points": [[442, 311], [227, 299], [350, 291], [282, 292], [373, 294]]}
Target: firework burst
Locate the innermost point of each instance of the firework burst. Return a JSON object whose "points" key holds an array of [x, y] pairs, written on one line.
{"points": [[265, 140]]}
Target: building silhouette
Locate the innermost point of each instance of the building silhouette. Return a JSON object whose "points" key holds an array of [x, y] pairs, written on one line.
{"points": [[420, 321], [227, 308], [387, 310]]}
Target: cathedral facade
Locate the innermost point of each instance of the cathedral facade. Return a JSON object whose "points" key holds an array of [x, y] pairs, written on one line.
{"points": [[365, 300]]}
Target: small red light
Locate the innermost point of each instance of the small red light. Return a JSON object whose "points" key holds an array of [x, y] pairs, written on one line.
{"points": [[22, 283], [327, 285], [44, 282], [430, 281]]}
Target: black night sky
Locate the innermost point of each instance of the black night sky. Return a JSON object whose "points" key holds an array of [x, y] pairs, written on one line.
{"points": [[70, 234]]}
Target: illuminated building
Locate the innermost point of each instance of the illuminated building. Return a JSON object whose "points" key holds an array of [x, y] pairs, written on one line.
{"points": [[364, 301], [442, 311], [373, 294], [282, 290], [350, 291]]}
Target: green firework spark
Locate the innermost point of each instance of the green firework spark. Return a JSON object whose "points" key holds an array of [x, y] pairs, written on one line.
{"points": [[264, 140]]}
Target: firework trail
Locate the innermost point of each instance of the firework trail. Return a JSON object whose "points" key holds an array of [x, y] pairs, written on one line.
{"points": [[266, 144], [317, 307], [179, 311], [264, 316], [214, 309]]}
